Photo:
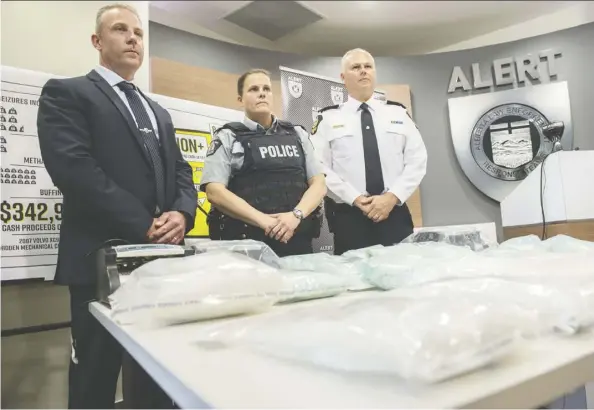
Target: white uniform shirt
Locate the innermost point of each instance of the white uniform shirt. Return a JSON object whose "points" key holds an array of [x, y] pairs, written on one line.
{"points": [[338, 143], [225, 158]]}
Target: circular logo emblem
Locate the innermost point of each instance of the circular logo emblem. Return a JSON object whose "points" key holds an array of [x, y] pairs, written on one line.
{"points": [[295, 87], [507, 142]]}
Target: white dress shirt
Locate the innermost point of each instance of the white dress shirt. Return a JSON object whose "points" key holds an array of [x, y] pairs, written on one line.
{"points": [[113, 80], [338, 143]]}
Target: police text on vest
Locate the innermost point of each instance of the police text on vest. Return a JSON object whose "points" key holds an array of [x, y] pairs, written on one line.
{"points": [[279, 152]]}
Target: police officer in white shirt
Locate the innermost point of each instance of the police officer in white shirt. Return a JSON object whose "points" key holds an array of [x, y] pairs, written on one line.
{"points": [[374, 159], [262, 177]]}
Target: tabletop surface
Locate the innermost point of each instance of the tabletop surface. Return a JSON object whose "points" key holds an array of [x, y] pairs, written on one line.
{"points": [[536, 373]]}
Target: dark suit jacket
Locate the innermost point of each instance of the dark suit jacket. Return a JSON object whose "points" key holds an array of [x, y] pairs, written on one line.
{"points": [[94, 154]]}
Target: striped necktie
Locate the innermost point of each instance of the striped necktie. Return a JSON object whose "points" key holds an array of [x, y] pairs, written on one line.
{"points": [[145, 127]]}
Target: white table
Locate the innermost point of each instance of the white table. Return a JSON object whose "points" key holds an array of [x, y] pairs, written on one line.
{"points": [[539, 372]]}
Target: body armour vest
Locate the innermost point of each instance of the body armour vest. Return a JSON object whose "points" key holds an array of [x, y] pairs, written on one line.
{"points": [[273, 176]]}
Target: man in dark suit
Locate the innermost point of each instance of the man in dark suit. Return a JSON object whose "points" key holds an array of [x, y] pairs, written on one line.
{"points": [[112, 152]]}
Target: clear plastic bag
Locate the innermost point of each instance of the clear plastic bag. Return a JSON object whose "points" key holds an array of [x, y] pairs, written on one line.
{"points": [[306, 285], [254, 249], [467, 237], [198, 287], [422, 251], [527, 242], [568, 244], [520, 247], [359, 254], [526, 261], [543, 307], [348, 271], [571, 275], [425, 340], [531, 245], [412, 264]]}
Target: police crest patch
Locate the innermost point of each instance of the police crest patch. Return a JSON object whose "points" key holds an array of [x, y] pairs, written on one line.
{"points": [[314, 127], [214, 145]]}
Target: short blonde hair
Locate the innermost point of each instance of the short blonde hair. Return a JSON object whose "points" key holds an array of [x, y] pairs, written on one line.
{"points": [[105, 9], [348, 54]]}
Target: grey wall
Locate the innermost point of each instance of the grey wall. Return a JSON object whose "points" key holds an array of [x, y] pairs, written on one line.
{"points": [[447, 196]]}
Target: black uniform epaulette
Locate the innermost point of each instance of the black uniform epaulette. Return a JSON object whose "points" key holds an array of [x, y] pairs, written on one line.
{"points": [[285, 123], [330, 107], [233, 126], [288, 124], [403, 106], [395, 103]]}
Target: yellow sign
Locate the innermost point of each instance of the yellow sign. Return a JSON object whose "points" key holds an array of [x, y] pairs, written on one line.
{"points": [[193, 146]]}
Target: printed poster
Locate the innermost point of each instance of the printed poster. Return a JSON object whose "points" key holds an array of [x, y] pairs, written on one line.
{"points": [[30, 204]]}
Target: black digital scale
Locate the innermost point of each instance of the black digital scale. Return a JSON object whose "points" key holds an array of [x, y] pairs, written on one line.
{"points": [[113, 262]]}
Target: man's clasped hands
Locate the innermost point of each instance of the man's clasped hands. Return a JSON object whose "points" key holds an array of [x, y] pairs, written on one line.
{"points": [[377, 207], [169, 228]]}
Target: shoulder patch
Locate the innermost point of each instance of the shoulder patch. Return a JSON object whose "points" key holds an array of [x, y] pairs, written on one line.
{"points": [[214, 145], [395, 103], [331, 107], [315, 125]]}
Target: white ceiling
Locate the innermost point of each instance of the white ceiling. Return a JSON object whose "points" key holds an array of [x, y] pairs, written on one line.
{"points": [[382, 27]]}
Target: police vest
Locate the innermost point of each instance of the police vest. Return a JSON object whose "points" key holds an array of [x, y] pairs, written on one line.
{"points": [[273, 176]]}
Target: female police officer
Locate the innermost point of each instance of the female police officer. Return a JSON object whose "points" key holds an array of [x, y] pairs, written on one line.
{"points": [[261, 176]]}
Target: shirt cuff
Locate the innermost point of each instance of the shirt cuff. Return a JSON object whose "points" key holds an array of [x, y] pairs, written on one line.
{"points": [[350, 196], [189, 221], [398, 196], [203, 184]]}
